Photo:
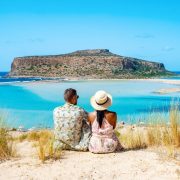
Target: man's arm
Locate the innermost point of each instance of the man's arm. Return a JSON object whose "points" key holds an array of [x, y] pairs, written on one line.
{"points": [[58, 144], [85, 134]]}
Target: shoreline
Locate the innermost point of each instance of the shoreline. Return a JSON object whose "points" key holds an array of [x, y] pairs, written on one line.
{"points": [[162, 91], [169, 81]]}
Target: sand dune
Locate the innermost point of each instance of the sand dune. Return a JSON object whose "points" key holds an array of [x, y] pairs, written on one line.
{"points": [[140, 164]]}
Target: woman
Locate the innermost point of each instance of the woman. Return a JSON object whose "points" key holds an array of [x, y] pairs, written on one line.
{"points": [[103, 123]]}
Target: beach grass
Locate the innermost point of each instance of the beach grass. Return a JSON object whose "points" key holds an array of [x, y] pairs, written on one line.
{"points": [[157, 133], [7, 148], [165, 134], [132, 139], [43, 141]]}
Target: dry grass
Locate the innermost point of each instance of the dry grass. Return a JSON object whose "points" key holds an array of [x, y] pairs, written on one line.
{"points": [[133, 139], [22, 137], [175, 125], [156, 134], [162, 134], [7, 148], [44, 140]]}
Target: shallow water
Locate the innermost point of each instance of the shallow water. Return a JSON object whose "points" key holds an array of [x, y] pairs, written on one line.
{"points": [[32, 104]]}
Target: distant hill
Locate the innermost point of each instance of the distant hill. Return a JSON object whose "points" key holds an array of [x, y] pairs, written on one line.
{"points": [[86, 64]]}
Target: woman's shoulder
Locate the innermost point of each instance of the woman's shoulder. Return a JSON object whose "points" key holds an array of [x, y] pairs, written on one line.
{"points": [[111, 113], [92, 113], [91, 116], [111, 117]]}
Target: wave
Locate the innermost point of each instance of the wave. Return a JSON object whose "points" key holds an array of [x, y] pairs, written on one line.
{"points": [[17, 80]]}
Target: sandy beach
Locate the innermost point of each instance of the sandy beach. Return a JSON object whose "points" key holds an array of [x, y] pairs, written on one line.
{"points": [[138, 164], [166, 81], [162, 91], [168, 90]]}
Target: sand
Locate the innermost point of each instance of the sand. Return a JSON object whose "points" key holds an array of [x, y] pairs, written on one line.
{"points": [[139, 164], [168, 90], [174, 89]]}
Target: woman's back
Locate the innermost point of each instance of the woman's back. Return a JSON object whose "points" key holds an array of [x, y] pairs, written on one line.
{"points": [[106, 129], [103, 139], [110, 117], [103, 123]]}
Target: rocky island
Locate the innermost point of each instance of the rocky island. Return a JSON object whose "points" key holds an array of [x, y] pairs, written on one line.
{"points": [[86, 64]]}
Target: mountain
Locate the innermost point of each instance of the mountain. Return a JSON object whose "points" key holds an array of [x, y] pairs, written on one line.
{"points": [[86, 64]]}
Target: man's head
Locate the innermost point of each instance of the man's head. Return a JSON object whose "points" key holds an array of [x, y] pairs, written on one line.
{"points": [[70, 96]]}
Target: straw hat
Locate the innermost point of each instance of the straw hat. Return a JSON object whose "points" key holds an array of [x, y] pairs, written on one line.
{"points": [[101, 100]]}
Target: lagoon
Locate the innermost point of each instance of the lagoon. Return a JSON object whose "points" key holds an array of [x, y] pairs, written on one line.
{"points": [[31, 104]]}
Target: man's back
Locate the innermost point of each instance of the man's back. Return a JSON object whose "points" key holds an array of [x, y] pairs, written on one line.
{"points": [[71, 128]]}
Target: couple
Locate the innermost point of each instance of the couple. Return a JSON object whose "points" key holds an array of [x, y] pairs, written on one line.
{"points": [[75, 129]]}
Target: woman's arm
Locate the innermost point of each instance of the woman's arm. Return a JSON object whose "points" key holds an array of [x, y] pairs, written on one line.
{"points": [[112, 118], [115, 120]]}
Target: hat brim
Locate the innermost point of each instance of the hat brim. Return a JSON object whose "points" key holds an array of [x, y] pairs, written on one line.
{"points": [[101, 107]]}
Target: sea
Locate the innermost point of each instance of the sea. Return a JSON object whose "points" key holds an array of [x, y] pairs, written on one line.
{"points": [[29, 102]]}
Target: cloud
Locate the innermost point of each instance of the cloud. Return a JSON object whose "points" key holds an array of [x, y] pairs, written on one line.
{"points": [[167, 49], [144, 36]]}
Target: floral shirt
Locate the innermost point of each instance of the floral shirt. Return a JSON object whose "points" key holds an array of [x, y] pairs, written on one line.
{"points": [[71, 129]]}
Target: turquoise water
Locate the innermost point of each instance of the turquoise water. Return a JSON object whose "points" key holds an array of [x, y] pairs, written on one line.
{"points": [[25, 108], [32, 104]]}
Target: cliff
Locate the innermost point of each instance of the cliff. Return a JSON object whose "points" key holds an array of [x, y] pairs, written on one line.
{"points": [[92, 64]]}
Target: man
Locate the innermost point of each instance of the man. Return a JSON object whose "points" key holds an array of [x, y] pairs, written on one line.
{"points": [[72, 130]]}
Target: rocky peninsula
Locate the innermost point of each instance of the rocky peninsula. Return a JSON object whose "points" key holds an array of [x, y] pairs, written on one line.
{"points": [[86, 64]]}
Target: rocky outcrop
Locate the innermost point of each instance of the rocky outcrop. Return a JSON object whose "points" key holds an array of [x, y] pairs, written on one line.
{"points": [[92, 64]]}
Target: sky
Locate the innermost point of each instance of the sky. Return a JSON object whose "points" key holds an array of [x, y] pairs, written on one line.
{"points": [[145, 29]]}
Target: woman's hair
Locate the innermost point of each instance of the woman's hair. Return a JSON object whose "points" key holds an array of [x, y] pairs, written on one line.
{"points": [[100, 117]]}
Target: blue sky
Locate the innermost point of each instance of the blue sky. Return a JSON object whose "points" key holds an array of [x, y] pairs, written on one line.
{"points": [[138, 28]]}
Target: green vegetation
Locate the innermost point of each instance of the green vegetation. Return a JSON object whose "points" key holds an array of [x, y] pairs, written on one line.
{"points": [[140, 72], [30, 68]]}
